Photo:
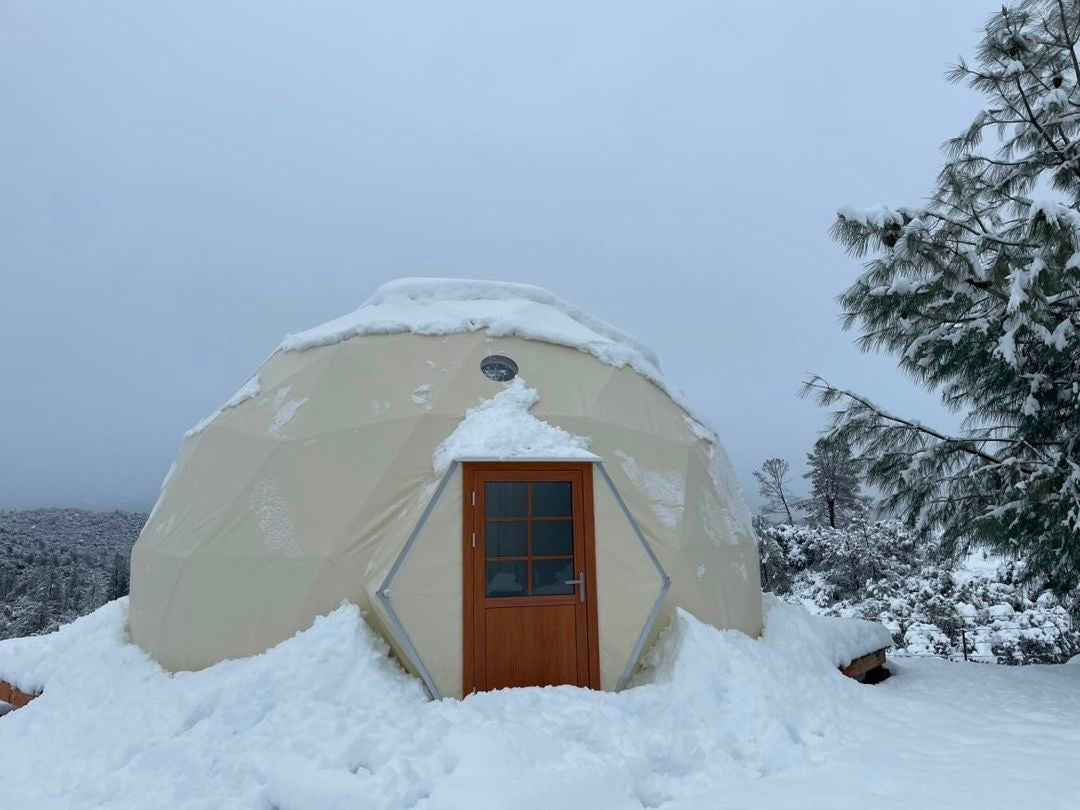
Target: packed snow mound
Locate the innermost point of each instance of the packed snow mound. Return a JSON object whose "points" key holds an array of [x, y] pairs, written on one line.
{"points": [[328, 720], [501, 428], [830, 640], [31, 662], [446, 306]]}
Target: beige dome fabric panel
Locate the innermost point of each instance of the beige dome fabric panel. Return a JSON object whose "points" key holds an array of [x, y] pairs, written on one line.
{"points": [[427, 591], [720, 550], [627, 584], [630, 402]]}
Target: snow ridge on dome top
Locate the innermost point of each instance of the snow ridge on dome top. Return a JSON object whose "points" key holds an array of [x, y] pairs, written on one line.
{"points": [[443, 306], [446, 306]]}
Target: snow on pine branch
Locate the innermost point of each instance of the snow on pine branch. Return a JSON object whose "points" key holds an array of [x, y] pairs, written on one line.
{"points": [[977, 295]]}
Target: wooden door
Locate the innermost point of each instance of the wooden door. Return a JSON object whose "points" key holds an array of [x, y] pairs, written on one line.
{"points": [[530, 585]]}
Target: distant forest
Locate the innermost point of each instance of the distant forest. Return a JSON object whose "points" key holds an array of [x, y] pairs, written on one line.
{"points": [[58, 564]]}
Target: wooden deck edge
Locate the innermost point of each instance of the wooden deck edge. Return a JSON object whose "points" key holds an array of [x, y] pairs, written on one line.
{"points": [[14, 695], [867, 664]]}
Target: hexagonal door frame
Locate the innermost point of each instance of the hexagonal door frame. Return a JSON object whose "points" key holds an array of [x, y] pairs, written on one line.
{"points": [[417, 660]]}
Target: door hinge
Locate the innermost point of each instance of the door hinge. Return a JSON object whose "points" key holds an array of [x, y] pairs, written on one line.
{"points": [[474, 539], [474, 498]]}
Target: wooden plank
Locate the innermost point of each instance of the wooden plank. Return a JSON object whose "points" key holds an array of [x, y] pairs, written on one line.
{"points": [[15, 696], [864, 663]]}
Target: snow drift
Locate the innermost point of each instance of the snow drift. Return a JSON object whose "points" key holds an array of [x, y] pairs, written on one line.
{"points": [[327, 719]]}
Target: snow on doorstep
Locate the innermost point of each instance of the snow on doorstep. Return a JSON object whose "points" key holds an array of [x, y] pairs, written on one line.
{"points": [[758, 723], [249, 390], [502, 428]]}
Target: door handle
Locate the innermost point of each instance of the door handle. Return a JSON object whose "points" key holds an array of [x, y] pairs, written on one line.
{"points": [[580, 582]]}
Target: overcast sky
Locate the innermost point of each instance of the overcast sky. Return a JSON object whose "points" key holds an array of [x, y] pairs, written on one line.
{"points": [[180, 186]]}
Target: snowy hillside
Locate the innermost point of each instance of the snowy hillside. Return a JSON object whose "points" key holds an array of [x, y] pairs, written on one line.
{"points": [[327, 720], [59, 564], [878, 571]]}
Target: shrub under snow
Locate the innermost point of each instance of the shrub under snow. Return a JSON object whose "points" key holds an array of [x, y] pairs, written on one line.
{"points": [[932, 606]]}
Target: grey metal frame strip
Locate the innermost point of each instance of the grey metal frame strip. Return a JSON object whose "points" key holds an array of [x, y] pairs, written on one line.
{"points": [[665, 581], [384, 590]]}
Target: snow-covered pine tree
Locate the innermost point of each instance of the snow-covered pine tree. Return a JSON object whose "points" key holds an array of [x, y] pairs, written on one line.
{"points": [[119, 584], [835, 497], [773, 479], [978, 295]]}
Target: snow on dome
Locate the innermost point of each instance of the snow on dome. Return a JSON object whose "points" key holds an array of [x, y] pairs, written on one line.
{"points": [[249, 390], [445, 306], [502, 428]]}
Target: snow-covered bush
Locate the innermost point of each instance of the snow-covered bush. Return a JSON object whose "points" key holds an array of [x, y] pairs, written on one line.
{"points": [[931, 605]]}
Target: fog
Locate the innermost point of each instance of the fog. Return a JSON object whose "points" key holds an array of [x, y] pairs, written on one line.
{"points": [[181, 186]]}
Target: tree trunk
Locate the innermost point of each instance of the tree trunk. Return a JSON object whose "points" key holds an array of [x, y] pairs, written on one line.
{"points": [[783, 500], [832, 513]]}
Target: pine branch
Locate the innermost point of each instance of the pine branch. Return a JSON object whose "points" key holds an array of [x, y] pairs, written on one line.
{"points": [[828, 393]]}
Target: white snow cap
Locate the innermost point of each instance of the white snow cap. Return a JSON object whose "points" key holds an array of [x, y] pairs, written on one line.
{"points": [[249, 390], [445, 306], [502, 428]]}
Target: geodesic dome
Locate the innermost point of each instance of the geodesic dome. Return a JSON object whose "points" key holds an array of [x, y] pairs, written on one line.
{"points": [[335, 473]]}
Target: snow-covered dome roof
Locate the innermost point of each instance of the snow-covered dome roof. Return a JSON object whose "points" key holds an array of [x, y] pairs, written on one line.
{"points": [[444, 306]]}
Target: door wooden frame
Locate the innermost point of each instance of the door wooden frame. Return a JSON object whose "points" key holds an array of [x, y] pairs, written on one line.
{"points": [[473, 568]]}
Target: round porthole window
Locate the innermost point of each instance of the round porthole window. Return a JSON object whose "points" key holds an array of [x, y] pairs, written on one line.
{"points": [[498, 368]]}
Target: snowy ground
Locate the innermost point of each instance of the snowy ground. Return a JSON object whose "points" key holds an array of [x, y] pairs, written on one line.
{"points": [[326, 720]]}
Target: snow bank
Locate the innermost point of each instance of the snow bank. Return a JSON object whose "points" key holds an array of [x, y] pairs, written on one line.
{"points": [[830, 640], [327, 720], [33, 661], [502, 428]]}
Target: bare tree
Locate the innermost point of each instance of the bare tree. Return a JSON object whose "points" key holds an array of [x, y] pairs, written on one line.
{"points": [[773, 480]]}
